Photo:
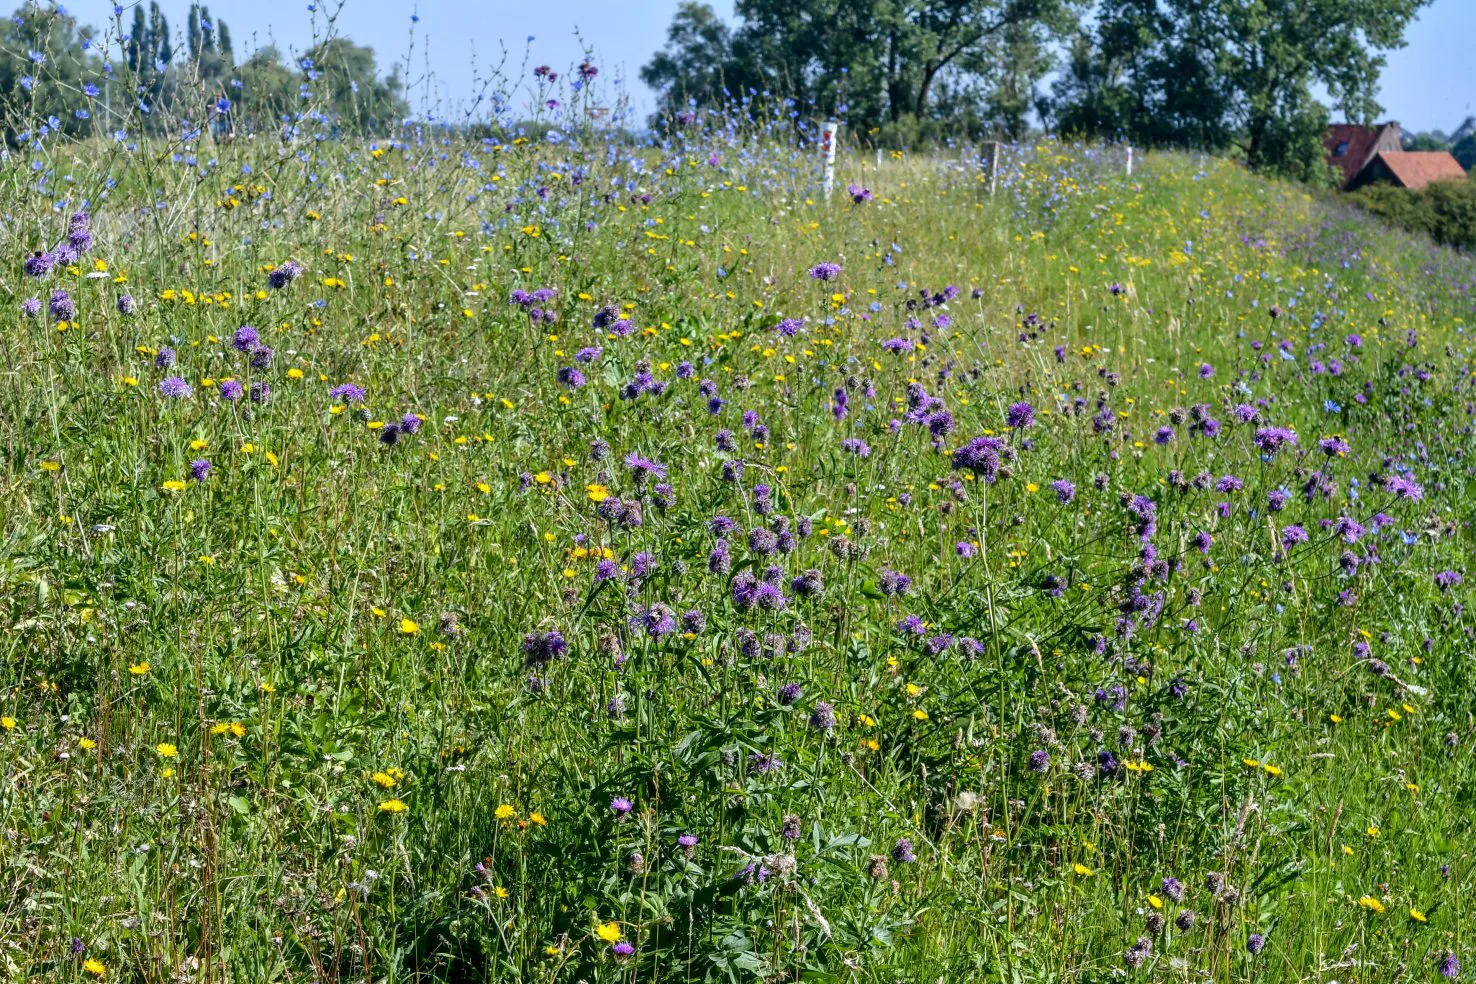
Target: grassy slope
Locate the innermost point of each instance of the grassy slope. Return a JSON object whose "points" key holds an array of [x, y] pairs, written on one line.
{"points": [[279, 625]]}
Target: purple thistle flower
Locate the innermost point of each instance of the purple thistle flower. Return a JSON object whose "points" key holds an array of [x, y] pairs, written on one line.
{"points": [[39, 264], [63, 308], [539, 648], [126, 305], [175, 388], [284, 275], [980, 456], [822, 718], [245, 339], [1404, 488], [656, 621], [894, 583], [199, 469], [621, 806], [1272, 439], [825, 271], [644, 467], [231, 390], [1292, 534], [1019, 415], [348, 393]]}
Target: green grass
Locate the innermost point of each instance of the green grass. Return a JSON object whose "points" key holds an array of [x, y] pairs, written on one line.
{"points": [[325, 607]]}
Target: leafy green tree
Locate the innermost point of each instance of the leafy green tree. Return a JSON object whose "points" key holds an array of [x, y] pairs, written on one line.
{"points": [[344, 76], [136, 40], [699, 50], [1434, 140], [879, 62], [1230, 74], [1464, 150], [268, 89]]}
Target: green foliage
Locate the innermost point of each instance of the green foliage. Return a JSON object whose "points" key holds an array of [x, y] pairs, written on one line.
{"points": [[1445, 210], [966, 65], [1225, 75], [350, 85]]}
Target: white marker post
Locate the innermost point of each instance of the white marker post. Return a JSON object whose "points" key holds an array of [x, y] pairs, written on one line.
{"points": [[827, 149], [990, 160], [1130, 161]]}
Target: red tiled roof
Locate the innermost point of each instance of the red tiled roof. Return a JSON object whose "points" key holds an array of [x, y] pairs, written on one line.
{"points": [[1416, 169], [1359, 141]]}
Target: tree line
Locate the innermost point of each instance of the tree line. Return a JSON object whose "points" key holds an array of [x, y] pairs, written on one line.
{"points": [[82, 82], [1225, 76]]}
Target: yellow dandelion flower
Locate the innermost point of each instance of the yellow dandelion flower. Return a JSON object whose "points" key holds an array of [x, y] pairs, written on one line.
{"points": [[7, 722], [408, 627], [1417, 915], [166, 750], [505, 812], [393, 806], [1082, 870], [920, 714], [1371, 904], [1155, 901], [384, 779], [609, 932], [139, 669], [94, 966]]}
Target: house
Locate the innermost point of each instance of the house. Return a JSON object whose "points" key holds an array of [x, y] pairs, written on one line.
{"points": [[1351, 148], [1411, 169], [1369, 155]]}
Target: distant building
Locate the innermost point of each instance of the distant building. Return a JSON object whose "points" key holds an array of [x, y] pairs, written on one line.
{"points": [[1370, 155], [1351, 148], [1411, 169]]}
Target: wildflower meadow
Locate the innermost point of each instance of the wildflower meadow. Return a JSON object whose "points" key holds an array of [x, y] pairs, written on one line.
{"points": [[541, 554]]}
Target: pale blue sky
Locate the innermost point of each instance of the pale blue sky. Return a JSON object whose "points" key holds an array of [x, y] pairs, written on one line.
{"points": [[1427, 84]]}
